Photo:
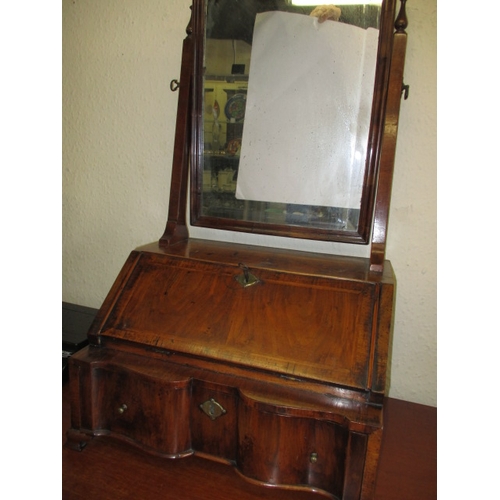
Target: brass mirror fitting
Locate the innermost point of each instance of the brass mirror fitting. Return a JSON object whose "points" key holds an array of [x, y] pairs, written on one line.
{"points": [[405, 90], [123, 408], [212, 409], [174, 85]]}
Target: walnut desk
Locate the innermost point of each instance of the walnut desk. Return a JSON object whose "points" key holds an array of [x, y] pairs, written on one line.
{"points": [[113, 470], [270, 359]]}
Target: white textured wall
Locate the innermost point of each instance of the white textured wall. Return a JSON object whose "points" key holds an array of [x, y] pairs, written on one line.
{"points": [[412, 223], [118, 131]]}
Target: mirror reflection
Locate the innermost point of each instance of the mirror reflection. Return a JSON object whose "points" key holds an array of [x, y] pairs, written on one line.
{"points": [[232, 186]]}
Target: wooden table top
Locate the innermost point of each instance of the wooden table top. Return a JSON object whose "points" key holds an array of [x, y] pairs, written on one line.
{"points": [[108, 469]]}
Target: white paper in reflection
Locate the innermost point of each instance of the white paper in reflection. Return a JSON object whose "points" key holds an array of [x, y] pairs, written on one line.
{"points": [[308, 111]]}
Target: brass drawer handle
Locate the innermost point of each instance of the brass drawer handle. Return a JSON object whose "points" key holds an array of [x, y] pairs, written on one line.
{"points": [[123, 408]]}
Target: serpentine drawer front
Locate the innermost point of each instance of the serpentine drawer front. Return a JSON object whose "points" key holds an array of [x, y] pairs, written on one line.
{"points": [[155, 405], [293, 450], [153, 412]]}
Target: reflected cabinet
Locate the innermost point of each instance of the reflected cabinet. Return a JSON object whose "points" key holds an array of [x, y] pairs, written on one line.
{"points": [[273, 361]]}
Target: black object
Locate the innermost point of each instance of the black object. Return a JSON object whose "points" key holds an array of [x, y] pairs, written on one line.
{"points": [[76, 321], [238, 69]]}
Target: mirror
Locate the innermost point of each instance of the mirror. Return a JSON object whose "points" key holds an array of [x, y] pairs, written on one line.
{"points": [[287, 124]]}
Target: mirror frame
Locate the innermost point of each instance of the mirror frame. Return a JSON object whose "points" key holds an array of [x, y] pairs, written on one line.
{"points": [[188, 147]]}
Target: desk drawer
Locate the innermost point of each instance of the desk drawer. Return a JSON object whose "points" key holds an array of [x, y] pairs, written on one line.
{"points": [[273, 433], [149, 411], [214, 419], [277, 448]]}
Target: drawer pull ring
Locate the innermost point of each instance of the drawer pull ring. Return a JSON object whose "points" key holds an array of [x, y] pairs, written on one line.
{"points": [[123, 408], [212, 409]]}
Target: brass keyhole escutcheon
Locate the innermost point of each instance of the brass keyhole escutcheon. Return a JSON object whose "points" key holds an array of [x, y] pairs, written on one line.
{"points": [[212, 409], [123, 408], [247, 278], [313, 458]]}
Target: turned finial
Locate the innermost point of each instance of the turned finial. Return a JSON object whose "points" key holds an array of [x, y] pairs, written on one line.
{"points": [[189, 27], [401, 22]]}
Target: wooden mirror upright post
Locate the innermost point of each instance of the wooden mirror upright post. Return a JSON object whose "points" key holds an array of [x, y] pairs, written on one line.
{"points": [[273, 361]]}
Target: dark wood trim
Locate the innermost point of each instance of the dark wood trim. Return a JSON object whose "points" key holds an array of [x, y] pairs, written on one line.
{"points": [[176, 228], [377, 119], [388, 149]]}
